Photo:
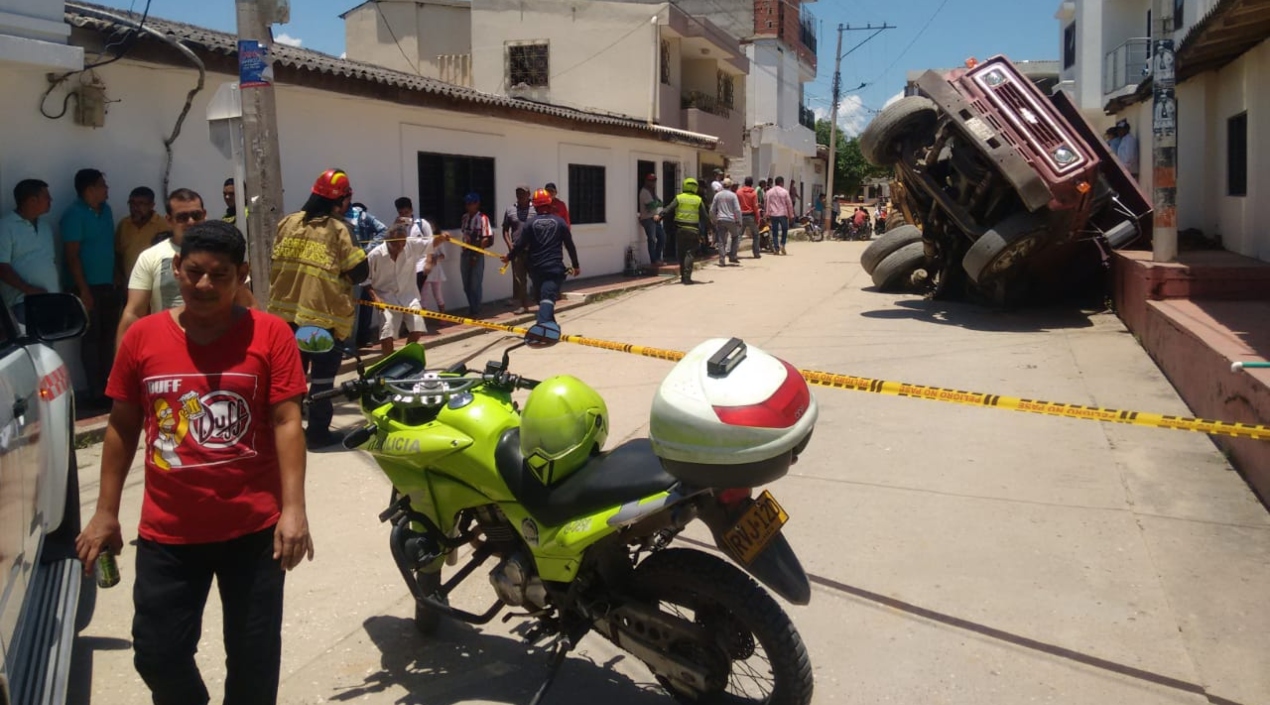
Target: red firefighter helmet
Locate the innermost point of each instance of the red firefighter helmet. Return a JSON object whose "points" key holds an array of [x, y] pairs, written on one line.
{"points": [[333, 184], [541, 200]]}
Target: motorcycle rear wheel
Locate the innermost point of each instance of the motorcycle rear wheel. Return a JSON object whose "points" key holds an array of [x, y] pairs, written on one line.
{"points": [[757, 655]]}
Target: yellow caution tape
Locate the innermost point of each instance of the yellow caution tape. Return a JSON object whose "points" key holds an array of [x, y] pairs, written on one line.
{"points": [[915, 391], [460, 243]]}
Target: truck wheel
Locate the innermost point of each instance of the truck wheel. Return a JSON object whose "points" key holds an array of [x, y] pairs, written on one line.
{"points": [[912, 116], [895, 220], [894, 239], [1005, 246], [894, 272]]}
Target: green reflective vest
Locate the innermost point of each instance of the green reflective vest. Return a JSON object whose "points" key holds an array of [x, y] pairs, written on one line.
{"points": [[688, 209]]}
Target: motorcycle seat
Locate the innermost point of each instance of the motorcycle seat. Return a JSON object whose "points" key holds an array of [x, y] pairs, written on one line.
{"points": [[627, 473]]}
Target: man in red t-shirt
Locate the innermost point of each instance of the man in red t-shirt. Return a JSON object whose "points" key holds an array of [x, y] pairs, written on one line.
{"points": [[217, 389], [558, 206]]}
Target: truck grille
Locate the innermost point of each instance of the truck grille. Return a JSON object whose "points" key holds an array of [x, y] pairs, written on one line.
{"points": [[1040, 133]]}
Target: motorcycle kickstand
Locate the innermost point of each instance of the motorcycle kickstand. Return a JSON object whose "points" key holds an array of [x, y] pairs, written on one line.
{"points": [[563, 647]]}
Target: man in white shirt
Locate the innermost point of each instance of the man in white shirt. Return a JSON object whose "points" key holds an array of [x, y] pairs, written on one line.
{"points": [[392, 281], [152, 286], [1126, 147]]}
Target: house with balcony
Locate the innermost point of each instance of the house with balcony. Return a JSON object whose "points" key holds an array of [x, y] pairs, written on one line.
{"points": [[780, 41], [1208, 309], [653, 62]]}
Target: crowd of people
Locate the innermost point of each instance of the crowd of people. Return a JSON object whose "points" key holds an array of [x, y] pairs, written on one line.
{"points": [[121, 270]]}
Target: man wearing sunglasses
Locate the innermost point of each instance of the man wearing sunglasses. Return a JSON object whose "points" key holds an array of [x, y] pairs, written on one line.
{"points": [[152, 287]]}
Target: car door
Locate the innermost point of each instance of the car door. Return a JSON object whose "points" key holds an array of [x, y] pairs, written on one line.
{"points": [[21, 526]]}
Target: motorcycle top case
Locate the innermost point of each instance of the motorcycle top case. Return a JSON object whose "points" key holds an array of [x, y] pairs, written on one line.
{"points": [[729, 416]]}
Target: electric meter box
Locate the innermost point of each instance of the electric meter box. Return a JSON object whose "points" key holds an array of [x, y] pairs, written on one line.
{"points": [[731, 416]]}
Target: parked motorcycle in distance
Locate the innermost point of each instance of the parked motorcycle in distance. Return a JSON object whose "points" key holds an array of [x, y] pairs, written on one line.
{"points": [[582, 538]]}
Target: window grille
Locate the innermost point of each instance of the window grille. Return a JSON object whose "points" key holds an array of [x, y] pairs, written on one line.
{"points": [[528, 65], [587, 194]]}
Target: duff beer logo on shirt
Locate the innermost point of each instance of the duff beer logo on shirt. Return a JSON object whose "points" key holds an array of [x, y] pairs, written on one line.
{"points": [[194, 429], [224, 422]]}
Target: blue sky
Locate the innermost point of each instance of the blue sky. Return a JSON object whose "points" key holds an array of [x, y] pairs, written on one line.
{"points": [[928, 34]]}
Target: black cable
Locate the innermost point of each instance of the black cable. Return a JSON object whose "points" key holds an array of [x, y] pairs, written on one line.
{"points": [[920, 32], [128, 41], [388, 26]]}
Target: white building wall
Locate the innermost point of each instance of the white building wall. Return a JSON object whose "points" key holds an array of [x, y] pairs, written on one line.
{"points": [[407, 37], [622, 35], [377, 142], [779, 145]]}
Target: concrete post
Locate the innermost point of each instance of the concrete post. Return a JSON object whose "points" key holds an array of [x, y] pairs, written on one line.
{"points": [[263, 185], [1164, 136]]}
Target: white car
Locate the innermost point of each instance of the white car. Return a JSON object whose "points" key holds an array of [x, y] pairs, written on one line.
{"points": [[44, 596]]}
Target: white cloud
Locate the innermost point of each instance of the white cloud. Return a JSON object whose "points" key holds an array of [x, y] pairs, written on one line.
{"points": [[893, 99], [289, 40], [852, 115], [343, 55]]}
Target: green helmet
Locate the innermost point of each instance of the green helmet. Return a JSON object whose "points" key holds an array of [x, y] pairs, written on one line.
{"points": [[564, 423], [690, 185]]}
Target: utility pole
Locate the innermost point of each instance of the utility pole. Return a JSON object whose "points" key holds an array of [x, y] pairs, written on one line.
{"points": [[833, 111], [263, 187], [1164, 135]]}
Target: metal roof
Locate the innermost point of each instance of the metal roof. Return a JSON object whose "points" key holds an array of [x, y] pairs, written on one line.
{"points": [[100, 19]]}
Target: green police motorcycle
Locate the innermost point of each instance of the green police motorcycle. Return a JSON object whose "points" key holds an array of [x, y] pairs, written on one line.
{"points": [[580, 538]]}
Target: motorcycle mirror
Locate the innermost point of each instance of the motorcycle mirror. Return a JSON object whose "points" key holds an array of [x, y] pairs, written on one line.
{"points": [[314, 340], [541, 335]]}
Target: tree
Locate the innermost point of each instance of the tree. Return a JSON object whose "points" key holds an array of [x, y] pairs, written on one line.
{"points": [[851, 171]]}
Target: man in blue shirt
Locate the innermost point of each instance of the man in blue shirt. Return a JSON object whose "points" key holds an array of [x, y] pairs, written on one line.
{"points": [[88, 236], [541, 239], [27, 262]]}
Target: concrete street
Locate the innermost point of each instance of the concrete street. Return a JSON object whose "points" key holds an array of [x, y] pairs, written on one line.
{"points": [[958, 554]]}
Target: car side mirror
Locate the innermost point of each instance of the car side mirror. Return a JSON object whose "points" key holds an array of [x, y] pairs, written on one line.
{"points": [[54, 317]]}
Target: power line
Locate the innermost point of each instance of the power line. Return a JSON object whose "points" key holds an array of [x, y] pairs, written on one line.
{"points": [[388, 26], [920, 32], [642, 24]]}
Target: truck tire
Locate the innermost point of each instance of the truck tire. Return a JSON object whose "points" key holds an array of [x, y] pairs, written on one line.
{"points": [[1005, 245], [893, 273], [906, 117], [894, 239], [895, 220]]}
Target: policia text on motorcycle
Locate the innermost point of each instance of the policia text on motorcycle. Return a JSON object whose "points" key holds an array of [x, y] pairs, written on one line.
{"points": [[691, 217]]}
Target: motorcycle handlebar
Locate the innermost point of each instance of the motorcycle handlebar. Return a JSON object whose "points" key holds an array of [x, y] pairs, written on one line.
{"points": [[348, 389]]}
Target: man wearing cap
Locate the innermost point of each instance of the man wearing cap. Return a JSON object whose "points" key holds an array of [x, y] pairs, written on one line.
{"points": [[1126, 147], [649, 205], [725, 211], [476, 231], [557, 206], [514, 220]]}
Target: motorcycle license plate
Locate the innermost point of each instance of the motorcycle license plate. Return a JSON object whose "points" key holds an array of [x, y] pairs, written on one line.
{"points": [[756, 528]]}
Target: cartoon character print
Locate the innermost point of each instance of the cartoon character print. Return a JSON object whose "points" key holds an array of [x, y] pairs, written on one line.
{"points": [[173, 426], [195, 428]]}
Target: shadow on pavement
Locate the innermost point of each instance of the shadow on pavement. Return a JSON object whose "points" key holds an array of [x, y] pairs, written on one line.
{"points": [[980, 318], [460, 664], [79, 688]]}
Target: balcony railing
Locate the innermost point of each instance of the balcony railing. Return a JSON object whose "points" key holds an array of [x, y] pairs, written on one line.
{"points": [[455, 69], [1126, 65], [807, 117], [706, 103], [807, 29]]}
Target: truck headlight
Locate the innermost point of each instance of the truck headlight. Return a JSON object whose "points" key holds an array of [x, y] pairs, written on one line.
{"points": [[994, 78], [1064, 156]]}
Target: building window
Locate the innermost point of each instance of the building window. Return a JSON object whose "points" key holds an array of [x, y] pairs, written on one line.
{"points": [[1069, 46], [1179, 19], [665, 62], [527, 64], [727, 89], [586, 194], [444, 179], [669, 181], [1237, 155]]}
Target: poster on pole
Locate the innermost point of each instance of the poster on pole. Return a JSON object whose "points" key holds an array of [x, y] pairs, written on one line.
{"points": [[255, 70], [1163, 81]]}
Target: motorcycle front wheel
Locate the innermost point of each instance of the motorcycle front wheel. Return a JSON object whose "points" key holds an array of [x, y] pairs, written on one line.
{"points": [[754, 654]]}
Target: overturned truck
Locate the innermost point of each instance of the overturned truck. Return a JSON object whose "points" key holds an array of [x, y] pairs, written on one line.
{"points": [[1004, 195]]}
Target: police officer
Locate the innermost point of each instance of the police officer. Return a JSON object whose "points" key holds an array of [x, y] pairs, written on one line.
{"points": [[690, 218]]}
